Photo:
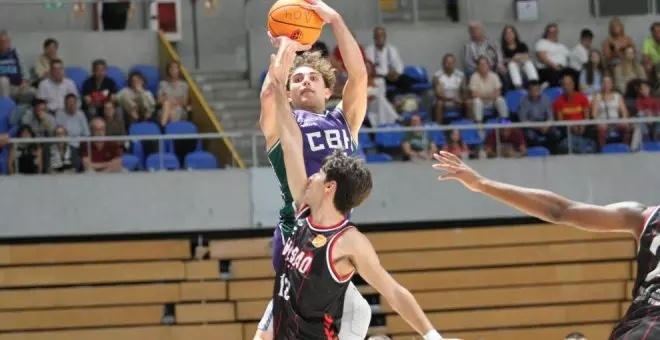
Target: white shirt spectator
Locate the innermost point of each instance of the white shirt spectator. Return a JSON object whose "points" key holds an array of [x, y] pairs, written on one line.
{"points": [[557, 52], [54, 93], [385, 60], [451, 84], [578, 57]]}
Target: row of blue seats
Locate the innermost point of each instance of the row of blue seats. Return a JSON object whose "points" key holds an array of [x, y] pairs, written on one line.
{"points": [[196, 160], [150, 73]]}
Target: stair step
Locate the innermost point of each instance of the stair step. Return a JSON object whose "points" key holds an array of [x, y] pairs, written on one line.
{"points": [[226, 84], [232, 104], [201, 76], [212, 93]]}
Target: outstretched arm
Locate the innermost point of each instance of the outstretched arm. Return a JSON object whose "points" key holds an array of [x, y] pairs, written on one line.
{"points": [[287, 128], [548, 206], [354, 102]]}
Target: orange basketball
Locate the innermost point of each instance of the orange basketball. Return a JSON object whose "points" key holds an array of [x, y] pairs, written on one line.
{"points": [[287, 18]]}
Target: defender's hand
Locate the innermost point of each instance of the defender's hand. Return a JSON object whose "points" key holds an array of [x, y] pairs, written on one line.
{"points": [[322, 9], [457, 170], [281, 64]]}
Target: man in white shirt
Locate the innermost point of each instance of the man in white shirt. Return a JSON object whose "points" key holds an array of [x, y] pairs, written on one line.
{"points": [[580, 53], [449, 86], [56, 87], [387, 64], [553, 58]]}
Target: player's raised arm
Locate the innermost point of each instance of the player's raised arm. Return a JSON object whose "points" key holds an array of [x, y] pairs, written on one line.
{"points": [[288, 130], [354, 103], [548, 206]]}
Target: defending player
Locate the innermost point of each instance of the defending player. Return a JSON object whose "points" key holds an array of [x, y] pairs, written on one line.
{"points": [[309, 88], [642, 321], [325, 249]]}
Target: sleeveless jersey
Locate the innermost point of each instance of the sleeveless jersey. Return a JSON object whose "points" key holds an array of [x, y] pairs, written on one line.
{"points": [[646, 292], [322, 134], [308, 296]]}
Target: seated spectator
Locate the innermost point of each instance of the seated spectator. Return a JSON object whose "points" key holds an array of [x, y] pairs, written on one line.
{"points": [[318, 46], [486, 90], [575, 336], [42, 67], [137, 102], [28, 157], [573, 105], [40, 122], [552, 57], [338, 61], [62, 157], [55, 88], [450, 90], [379, 109], [615, 42], [647, 106], [580, 53], [651, 48], [387, 63], [98, 89], [455, 144], [13, 76], [114, 121], [101, 156], [73, 119], [417, 145], [481, 46], [537, 107], [173, 95], [592, 74], [516, 55], [628, 69], [509, 144], [608, 104]]}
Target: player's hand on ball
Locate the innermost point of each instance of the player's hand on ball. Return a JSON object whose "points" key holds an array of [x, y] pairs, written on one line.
{"points": [[322, 9], [277, 41], [457, 170]]}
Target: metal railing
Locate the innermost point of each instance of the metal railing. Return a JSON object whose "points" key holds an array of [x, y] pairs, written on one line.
{"points": [[255, 138]]}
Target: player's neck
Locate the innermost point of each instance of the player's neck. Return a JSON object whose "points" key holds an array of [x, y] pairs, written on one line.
{"points": [[326, 215], [317, 110]]}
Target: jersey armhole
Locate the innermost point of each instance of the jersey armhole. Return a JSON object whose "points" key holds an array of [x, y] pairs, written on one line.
{"points": [[647, 219], [354, 143], [331, 264]]}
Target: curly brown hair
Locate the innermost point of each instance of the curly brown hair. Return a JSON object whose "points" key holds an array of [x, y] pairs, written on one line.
{"points": [[316, 61], [353, 178]]}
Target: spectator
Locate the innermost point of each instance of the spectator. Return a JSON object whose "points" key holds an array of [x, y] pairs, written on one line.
{"points": [[319, 46], [40, 122], [28, 157], [608, 104], [42, 67], [516, 55], [537, 107], [379, 110], [651, 48], [62, 157], [614, 44], [135, 100], [73, 119], [114, 123], [456, 145], [511, 142], [55, 88], [486, 91], [628, 69], [592, 74], [573, 105], [647, 106], [575, 336], [450, 90], [481, 46], [580, 53], [4, 139], [387, 63], [101, 156], [552, 57], [98, 89], [338, 61], [417, 145], [13, 77], [173, 95]]}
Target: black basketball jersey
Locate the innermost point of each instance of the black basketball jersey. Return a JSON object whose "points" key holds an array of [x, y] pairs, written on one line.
{"points": [[646, 292], [308, 297]]}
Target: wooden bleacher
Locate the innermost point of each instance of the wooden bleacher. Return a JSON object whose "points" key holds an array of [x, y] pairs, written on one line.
{"points": [[532, 281]]}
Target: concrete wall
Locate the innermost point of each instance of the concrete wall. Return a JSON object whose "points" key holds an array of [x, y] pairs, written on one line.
{"points": [[224, 199]]}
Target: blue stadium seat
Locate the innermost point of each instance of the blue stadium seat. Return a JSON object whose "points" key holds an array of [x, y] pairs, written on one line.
{"points": [[4, 152], [538, 151], [389, 139], [118, 75], [553, 92], [469, 136], [151, 74], [616, 148], [7, 106], [78, 75], [170, 162], [513, 98], [130, 162], [181, 128], [364, 141], [142, 129], [421, 77], [422, 114], [453, 115], [200, 160], [378, 158], [651, 146], [360, 154], [437, 136]]}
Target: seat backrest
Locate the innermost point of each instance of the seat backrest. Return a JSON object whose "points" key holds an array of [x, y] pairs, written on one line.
{"points": [[417, 73], [118, 75], [200, 160], [389, 138], [181, 128], [151, 74], [144, 128], [537, 151], [651, 146], [513, 98], [616, 148], [170, 162], [553, 92], [378, 158], [7, 106], [78, 75]]}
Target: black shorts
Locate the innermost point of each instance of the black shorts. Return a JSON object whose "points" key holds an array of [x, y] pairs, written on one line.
{"points": [[647, 328]]}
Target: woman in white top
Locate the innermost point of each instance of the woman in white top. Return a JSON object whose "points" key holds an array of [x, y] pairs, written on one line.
{"points": [[553, 57], [608, 104], [486, 89]]}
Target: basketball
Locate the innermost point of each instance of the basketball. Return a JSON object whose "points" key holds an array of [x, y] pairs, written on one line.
{"points": [[287, 18]]}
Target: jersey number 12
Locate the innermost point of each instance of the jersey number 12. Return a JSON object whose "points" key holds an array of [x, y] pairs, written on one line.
{"points": [[285, 286]]}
